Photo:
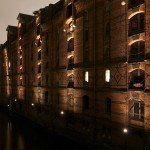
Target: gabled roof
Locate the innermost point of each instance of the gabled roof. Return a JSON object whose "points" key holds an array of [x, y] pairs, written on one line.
{"points": [[13, 30], [24, 18]]}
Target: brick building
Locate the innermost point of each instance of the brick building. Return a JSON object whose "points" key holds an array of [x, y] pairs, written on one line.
{"points": [[82, 66]]}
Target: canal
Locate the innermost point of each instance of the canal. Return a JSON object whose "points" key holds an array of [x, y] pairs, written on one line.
{"points": [[21, 134]]}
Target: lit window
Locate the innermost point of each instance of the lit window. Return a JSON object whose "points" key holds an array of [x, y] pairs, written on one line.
{"points": [[107, 75], [87, 76]]}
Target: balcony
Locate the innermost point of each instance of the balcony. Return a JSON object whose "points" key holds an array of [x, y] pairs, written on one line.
{"points": [[136, 24], [137, 80], [137, 52]]}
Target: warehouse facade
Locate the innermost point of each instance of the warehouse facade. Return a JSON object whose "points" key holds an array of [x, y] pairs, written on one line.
{"points": [[82, 65]]}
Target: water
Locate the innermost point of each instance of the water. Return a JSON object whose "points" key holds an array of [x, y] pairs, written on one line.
{"points": [[20, 134]]}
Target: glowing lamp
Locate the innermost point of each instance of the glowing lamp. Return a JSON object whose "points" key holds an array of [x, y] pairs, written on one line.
{"points": [[125, 130], [62, 112], [123, 2]]}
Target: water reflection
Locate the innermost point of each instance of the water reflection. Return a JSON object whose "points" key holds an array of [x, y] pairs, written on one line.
{"points": [[22, 135]]}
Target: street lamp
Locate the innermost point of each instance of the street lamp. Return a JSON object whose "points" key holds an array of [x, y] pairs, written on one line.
{"points": [[125, 130], [62, 112], [123, 2]]}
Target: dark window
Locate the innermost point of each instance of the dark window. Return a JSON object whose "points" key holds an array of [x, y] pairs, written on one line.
{"points": [[85, 103], [137, 110], [86, 35], [86, 16], [108, 105], [69, 11], [107, 54], [137, 79], [46, 65], [21, 61], [71, 45], [137, 51], [32, 69], [107, 30], [20, 52], [46, 79], [39, 82], [38, 29], [134, 3], [136, 24], [39, 42], [71, 63], [39, 55], [39, 69], [46, 97]]}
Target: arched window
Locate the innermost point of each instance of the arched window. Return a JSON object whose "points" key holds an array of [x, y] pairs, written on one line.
{"points": [[137, 51], [107, 30], [71, 62], [134, 3], [137, 79], [85, 103], [136, 24], [108, 105], [71, 45]]}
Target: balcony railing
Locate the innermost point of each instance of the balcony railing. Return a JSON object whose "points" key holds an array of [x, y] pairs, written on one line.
{"points": [[133, 32]]}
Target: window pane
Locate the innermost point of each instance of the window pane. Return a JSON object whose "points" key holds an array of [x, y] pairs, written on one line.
{"points": [[107, 75]]}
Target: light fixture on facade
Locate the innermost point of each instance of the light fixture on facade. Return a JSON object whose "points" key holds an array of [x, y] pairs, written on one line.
{"points": [[15, 100], [32, 104], [125, 130], [123, 2], [64, 30], [62, 112]]}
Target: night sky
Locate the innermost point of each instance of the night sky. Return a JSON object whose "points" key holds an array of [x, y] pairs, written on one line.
{"points": [[9, 10]]}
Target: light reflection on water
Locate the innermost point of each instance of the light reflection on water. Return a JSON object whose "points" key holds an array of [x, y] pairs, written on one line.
{"points": [[23, 135]]}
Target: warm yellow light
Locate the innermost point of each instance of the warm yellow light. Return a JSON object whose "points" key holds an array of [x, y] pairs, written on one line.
{"points": [[125, 130], [87, 76], [123, 2], [39, 49], [38, 37], [62, 112], [39, 62], [32, 104], [70, 55], [21, 67], [20, 56], [9, 64], [107, 75], [19, 25]]}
